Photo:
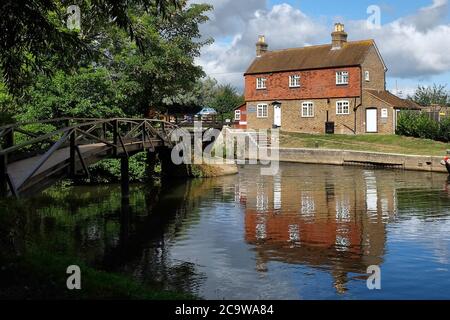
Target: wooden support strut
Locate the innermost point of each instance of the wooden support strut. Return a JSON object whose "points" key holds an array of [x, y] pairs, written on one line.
{"points": [[115, 137], [3, 176], [5, 179], [73, 147]]}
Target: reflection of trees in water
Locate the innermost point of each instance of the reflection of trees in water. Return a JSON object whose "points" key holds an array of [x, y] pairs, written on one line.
{"points": [[143, 248], [131, 237]]}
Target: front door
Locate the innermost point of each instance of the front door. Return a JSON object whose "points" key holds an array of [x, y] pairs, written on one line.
{"points": [[371, 120], [277, 115]]}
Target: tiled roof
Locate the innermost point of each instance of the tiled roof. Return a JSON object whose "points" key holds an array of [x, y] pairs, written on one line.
{"points": [[393, 100], [313, 57]]}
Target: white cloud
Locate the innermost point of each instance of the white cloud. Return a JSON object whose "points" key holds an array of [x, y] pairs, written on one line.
{"points": [[414, 46], [283, 26]]}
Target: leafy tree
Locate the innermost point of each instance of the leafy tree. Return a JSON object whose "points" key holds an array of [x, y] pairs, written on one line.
{"points": [[166, 66], [34, 35], [88, 93], [6, 105], [124, 80], [202, 94], [436, 94], [226, 99]]}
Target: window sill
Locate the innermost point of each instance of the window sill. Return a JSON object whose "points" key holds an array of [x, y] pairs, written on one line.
{"points": [[341, 84], [296, 87]]}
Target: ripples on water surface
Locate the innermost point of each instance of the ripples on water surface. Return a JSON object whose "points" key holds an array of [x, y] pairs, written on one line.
{"points": [[308, 233]]}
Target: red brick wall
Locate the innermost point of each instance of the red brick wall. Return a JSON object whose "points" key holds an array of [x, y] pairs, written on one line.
{"points": [[236, 124], [313, 84]]}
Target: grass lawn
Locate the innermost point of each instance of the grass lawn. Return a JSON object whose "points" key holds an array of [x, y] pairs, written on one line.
{"points": [[377, 143]]}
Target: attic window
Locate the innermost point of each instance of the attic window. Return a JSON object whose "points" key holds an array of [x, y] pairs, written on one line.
{"points": [[294, 81], [341, 77], [261, 83], [367, 75]]}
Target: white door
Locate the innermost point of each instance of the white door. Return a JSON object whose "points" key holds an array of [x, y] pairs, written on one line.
{"points": [[277, 115], [371, 120]]}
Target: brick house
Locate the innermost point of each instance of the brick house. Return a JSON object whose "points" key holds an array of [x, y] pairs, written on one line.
{"points": [[336, 88], [240, 117]]}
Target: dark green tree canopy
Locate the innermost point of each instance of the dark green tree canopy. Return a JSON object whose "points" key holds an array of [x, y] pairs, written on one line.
{"points": [[122, 79], [34, 36]]}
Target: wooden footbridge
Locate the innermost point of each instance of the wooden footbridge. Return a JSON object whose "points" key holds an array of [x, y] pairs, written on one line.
{"points": [[34, 155]]}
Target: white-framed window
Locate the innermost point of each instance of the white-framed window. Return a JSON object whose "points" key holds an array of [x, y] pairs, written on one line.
{"points": [[294, 81], [261, 83], [307, 109], [342, 107], [237, 115], [384, 113], [367, 75], [341, 77], [261, 111]]}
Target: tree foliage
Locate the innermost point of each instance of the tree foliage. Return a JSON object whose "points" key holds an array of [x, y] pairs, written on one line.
{"points": [[123, 79], [226, 99], [436, 94], [34, 36]]}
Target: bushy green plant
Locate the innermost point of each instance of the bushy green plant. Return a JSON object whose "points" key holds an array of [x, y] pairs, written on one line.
{"points": [[420, 125], [444, 129], [108, 170]]}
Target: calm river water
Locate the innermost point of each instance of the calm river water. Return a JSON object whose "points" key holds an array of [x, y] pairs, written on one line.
{"points": [[309, 232]]}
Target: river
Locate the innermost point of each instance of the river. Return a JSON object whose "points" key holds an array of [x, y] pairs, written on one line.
{"points": [[310, 232]]}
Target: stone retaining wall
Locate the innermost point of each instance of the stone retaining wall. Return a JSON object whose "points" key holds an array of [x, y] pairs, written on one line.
{"points": [[344, 157]]}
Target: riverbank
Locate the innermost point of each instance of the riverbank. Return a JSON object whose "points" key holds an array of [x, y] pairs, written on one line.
{"points": [[39, 274], [390, 144], [349, 157]]}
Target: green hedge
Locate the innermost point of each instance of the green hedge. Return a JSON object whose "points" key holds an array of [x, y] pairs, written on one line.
{"points": [[420, 125]]}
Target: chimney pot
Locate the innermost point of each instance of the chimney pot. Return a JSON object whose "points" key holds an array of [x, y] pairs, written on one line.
{"points": [[261, 46], [339, 36]]}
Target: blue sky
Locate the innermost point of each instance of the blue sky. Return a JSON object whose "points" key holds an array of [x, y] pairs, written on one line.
{"points": [[355, 9], [414, 36]]}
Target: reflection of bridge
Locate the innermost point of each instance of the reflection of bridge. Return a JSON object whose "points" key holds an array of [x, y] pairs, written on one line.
{"points": [[34, 155]]}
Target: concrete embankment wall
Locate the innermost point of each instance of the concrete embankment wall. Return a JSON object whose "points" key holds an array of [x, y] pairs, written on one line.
{"points": [[344, 157]]}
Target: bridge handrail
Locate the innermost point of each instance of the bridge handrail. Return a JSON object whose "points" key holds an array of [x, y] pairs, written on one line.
{"points": [[88, 122]]}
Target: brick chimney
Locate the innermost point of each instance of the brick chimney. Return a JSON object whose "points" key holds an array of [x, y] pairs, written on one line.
{"points": [[339, 36], [261, 46]]}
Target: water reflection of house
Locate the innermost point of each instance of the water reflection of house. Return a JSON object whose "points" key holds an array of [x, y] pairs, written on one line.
{"points": [[334, 223]]}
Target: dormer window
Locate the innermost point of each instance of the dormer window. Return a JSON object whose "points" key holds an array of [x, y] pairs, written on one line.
{"points": [[294, 81], [341, 77], [261, 83], [367, 76]]}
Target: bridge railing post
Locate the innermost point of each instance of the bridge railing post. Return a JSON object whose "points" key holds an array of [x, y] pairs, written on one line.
{"points": [[104, 135], [3, 176], [9, 139], [115, 137], [73, 145], [8, 142]]}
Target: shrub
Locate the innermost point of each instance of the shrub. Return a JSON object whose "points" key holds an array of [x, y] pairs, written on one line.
{"points": [[444, 129], [420, 125], [108, 170]]}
